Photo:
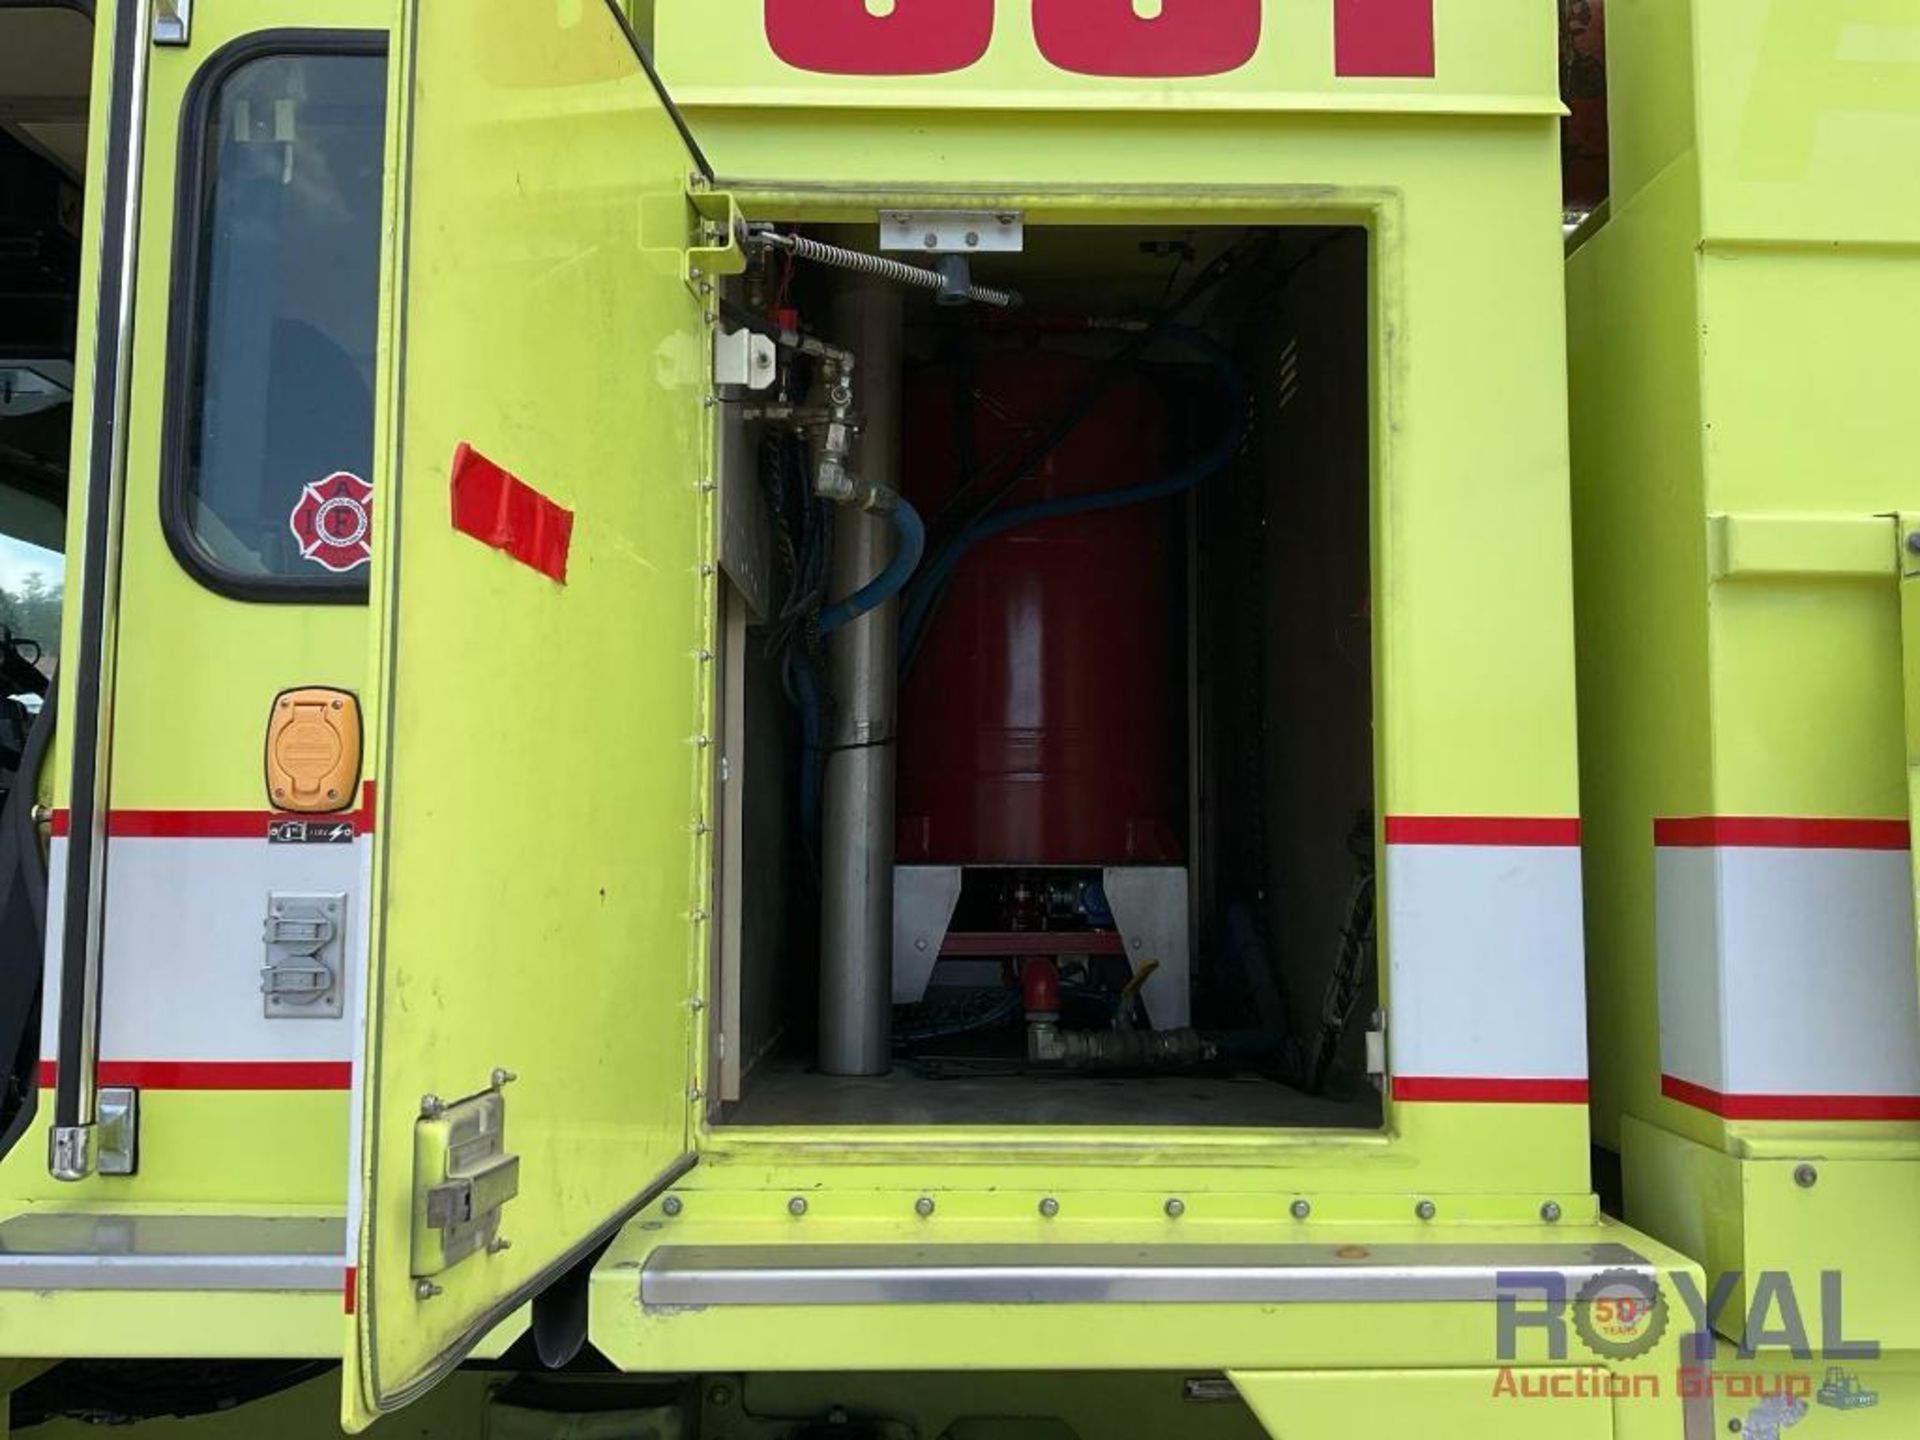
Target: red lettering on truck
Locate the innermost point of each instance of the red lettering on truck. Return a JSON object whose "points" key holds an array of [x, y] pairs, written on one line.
{"points": [[1119, 39], [913, 37]]}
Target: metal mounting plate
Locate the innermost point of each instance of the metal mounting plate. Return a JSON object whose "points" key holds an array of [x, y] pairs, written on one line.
{"points": [[953, 232], [118, 1138], [743, 357], [306, 945]]}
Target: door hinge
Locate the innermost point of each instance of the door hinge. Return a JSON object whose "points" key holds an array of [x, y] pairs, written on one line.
{"points": [[1377, 1049], [172, 22], [716, 248], [463, 1178]]}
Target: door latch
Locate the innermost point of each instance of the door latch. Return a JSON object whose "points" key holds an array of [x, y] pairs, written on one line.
{"points": [[463, 1178]]}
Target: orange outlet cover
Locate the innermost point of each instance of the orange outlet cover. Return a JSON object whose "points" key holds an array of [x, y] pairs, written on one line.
{"points": [[313, 750]]}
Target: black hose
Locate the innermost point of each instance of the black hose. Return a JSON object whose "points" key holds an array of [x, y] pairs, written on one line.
{"points": [[23, 934]]}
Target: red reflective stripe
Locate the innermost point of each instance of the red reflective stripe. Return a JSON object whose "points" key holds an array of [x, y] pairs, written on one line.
{"points": [[1383, 37], [350, 1290], [505, 512], [220, 1074], [1781, 832], [214, 824], [1480, 830], [1488, 1090], [1790, 1107], [189, 824]]}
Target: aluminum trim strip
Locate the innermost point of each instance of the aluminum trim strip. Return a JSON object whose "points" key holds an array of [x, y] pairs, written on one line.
{"points": [[698, 1276], [78, 1251], [316, 1274]]}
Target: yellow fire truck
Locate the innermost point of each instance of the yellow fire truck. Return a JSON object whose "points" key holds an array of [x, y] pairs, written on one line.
{"points": [[835, 718], [1743, 342]]}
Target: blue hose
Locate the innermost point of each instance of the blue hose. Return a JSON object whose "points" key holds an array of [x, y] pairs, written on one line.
{"points": [[933, 580], [890, 581]]}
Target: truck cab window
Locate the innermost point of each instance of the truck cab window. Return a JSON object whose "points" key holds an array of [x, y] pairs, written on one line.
{"points": [[267, 493]]}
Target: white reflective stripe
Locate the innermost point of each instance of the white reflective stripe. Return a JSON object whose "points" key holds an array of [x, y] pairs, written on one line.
{"points": [[1487, 969], [357, 1006], [184, 949], [1787, 971]]}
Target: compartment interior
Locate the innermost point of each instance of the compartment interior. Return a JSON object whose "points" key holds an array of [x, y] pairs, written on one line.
{"points": [[45, 71], [1127, 719]]}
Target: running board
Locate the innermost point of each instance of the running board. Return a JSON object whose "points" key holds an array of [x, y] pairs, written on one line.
{"points": [[50, 1251], [702, 1276]]}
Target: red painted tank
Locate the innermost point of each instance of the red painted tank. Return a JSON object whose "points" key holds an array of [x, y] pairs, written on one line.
{"points": [[1039, 724]]}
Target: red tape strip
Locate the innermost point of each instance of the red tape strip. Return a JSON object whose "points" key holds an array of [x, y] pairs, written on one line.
{"points": [[1790, 1107], [1774, 832], [510, 515]]}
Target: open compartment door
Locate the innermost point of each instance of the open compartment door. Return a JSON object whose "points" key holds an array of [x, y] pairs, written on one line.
{"points": [[543, 613]]}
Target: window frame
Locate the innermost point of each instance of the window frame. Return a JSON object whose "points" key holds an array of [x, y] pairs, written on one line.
{"points": [[186, 338]]}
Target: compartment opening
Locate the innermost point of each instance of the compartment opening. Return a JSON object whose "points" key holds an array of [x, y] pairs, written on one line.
{"points": [[46, 61], [1090, 840], [45, 71]]}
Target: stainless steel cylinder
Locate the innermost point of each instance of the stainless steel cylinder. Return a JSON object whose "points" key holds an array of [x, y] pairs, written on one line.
{"points": [[856, 903]]}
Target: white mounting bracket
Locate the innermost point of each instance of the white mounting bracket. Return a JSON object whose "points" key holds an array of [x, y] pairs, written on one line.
{"points": [[743, 357]]}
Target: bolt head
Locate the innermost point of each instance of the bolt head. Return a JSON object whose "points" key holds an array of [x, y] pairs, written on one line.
{"points": [[973, 238], [1300, 1209], [797, 1206], [672, 1206], [720, 1395], [932, 241], [1805, 1176], [425, 1289], [1426, 1210], [1550, 1212], [1176, 1207], [432, 1107], [923, 1207], [1049, 1207]]}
